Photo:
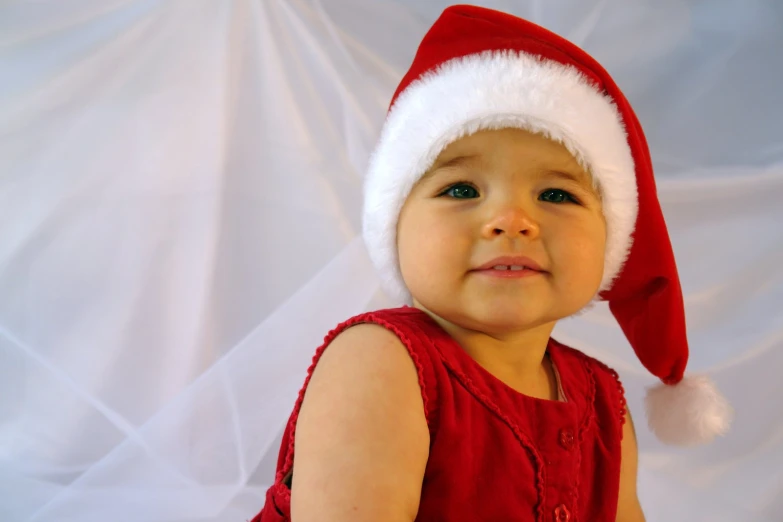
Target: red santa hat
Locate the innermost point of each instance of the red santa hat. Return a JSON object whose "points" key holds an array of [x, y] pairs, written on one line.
{"points": [[480, 69]]}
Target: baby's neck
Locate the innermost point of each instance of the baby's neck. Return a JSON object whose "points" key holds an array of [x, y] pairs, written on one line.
{"points": [[516, 358], [520, 361]]}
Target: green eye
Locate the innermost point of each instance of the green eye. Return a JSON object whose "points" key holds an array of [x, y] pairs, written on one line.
{"points": [[461, 191], [557, 196]]}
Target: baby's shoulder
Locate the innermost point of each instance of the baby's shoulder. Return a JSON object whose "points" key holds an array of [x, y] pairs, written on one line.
{"points": [[364, 348], [371, 345], [406, 326]]}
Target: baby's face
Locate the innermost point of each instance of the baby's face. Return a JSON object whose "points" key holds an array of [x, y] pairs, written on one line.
{"points": [[503, 193]]}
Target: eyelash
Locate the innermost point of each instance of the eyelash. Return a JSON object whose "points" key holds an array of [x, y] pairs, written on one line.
{"points": [[451, 187], [570, 198]]}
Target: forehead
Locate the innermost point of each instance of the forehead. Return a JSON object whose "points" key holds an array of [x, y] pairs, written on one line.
{"points": [[510, 148], [508, 143]]}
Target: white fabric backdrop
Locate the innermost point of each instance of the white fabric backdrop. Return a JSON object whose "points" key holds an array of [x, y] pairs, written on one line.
{"points": [[180, 185]]}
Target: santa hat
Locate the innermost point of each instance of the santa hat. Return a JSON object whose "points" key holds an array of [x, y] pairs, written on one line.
{"points": [[480, 69]]}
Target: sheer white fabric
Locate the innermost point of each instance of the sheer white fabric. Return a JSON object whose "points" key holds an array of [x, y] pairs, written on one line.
{"points": [[180, 185]]}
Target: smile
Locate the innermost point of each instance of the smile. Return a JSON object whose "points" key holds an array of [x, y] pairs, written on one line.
{"points": [[508, 271], [510, 267]]}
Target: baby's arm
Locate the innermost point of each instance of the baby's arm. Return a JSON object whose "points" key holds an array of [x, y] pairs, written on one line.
{"points": [[628, 507], [361, 441]]}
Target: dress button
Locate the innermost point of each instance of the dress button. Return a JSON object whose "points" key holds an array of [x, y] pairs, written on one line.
{"points": [[567, 439], [562, 514]]}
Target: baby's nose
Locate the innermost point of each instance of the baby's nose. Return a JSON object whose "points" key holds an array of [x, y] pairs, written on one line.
{"points": [[512, 222]]}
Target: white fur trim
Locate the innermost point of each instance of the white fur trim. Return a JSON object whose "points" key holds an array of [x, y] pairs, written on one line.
{"points": [[689, 413], [495, 90]]}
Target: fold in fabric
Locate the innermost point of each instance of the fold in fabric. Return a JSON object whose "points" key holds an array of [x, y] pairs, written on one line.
{"points": [[180, 191]]}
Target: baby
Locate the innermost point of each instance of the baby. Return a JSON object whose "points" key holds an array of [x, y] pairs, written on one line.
{"points": [[511, 187]]}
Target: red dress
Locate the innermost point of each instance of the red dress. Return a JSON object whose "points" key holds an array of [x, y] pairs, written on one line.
{"points": [[495, 454]]}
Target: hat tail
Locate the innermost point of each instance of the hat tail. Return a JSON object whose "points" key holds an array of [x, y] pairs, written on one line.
{"points": [[689, 413]]}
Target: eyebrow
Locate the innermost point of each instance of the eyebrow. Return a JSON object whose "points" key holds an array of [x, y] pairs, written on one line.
{"points": [[567, 175], [586, 181], [456, 161]]}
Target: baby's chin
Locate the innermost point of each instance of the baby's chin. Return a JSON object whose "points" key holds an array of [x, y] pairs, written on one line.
{"points": [[509, 321], [498, 317]]}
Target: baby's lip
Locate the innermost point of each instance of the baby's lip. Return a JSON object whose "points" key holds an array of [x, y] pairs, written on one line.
{"points": [[511, 261]]}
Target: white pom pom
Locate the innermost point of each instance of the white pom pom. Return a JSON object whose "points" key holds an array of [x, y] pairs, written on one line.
{"points": [[689, 413]]}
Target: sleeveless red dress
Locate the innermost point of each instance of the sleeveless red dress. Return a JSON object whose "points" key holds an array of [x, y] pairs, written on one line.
{"points": [[495, 454]]}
